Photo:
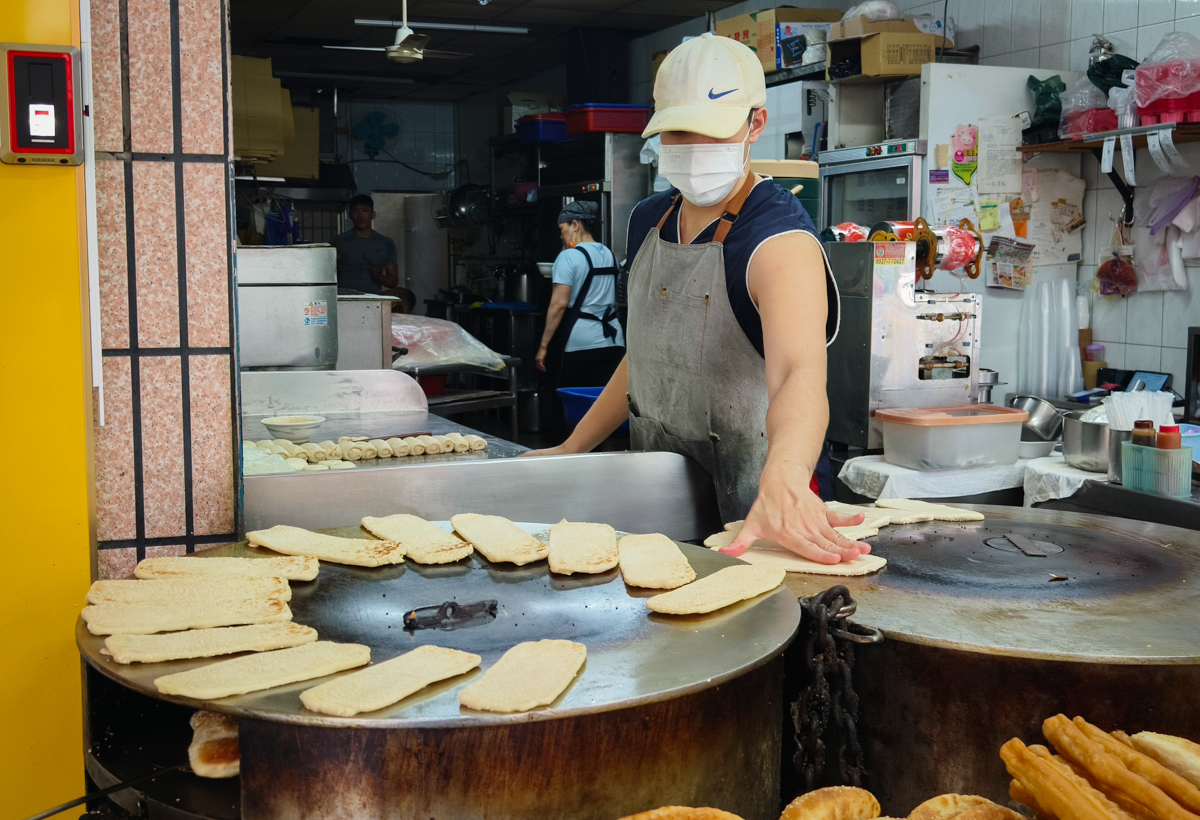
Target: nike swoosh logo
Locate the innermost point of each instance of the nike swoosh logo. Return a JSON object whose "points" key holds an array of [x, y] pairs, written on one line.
{"points": [[713, 96]]}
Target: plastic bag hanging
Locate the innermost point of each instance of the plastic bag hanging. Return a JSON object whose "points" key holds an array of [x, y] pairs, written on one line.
{"points": [[1116, 276]]}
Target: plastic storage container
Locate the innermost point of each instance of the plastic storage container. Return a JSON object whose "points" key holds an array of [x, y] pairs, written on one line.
{"points": [[596, 117], [1163, 472], [951, 438], [534, 129], [1191, 437], [576, 401]]}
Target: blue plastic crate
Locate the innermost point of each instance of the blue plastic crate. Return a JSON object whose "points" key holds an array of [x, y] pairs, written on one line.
{"points": [[576, 401]]}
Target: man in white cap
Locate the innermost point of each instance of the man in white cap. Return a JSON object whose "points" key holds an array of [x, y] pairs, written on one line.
{"points": [[731, 307]]}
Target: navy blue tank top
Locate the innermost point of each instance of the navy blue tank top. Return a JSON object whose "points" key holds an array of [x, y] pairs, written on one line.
{"points": [[769, 211]]}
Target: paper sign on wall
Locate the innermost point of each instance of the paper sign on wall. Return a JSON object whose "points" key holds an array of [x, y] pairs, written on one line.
{"points": [[964, 148], [1000, 162]]}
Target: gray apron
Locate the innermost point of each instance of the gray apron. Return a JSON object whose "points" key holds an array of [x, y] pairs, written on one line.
{"points": [[696, 385]]}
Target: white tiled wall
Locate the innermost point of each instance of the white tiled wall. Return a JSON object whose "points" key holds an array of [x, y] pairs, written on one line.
{"points": [[425, 141]]}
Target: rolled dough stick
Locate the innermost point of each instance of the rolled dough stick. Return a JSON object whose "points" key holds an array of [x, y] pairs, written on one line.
{"points": [[368, 450], [721, 589], [529, 675], [330, 448], [476, 442], [265, 445], [415, 447], [315, 452], [398, 446], [382, 448], [447, 444], [358, 439], [432, 445], [389, 682], [265, 670], [351, 450], [460, 443]]}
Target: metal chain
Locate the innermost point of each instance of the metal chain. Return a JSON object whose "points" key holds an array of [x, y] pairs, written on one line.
{"points": [[826, 712]]}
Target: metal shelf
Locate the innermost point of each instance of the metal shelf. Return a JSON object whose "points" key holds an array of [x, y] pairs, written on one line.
{"points": [[816, 71], [1180, 133]]}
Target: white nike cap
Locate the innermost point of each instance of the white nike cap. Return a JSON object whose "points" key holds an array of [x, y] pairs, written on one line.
{"points": [[708, 86]]}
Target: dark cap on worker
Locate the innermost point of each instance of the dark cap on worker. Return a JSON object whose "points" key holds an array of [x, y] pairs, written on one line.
{"points": [[581, 210]]}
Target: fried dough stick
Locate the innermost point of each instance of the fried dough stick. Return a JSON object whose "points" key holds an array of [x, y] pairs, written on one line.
{"points": [[1064, 797], [1108, 769], [1176, 787], [1019, 792], [1126, 807]]}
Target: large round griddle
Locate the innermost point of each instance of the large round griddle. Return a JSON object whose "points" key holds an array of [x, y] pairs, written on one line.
{"points": [[1130, 595], [634, 656]]}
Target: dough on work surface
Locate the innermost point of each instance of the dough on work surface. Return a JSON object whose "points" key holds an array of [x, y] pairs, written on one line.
{"points": [[293, 568], [682, 813], [937, 512], [389, 682], [945, 806], [721, 540], [351, 450], [265, 670], [447, 444], [422, 541], [315, 468], [207, 643], [833, 803], [214, 748], [877, 516], [735, 525], [398, 446], [476, 442], [499, 539], [266, 445], [358, 439], [415, 447], [769, 554], [855, 532], [173, 616], [368, 450], [461, 445], [529, 675], [341, 465], [315, 452], [330, 448], [724, 587], [653, 562], [579, 547], [382, 449], [145, 592], [359, 552], [297, 464], [432, 445]]}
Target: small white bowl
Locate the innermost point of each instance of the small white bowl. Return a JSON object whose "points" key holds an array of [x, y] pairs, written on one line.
{"points": [[296, 429], [1036, 449], [546, 269]]}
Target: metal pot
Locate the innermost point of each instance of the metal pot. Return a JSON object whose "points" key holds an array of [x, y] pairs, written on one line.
{"points": [[1045, 420], [1085, 444]]}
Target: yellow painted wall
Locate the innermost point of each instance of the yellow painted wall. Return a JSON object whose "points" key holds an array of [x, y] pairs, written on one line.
{"points": [[45, 508]]}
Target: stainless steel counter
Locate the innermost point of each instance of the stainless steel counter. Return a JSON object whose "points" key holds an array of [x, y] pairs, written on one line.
{"points": [[381, 424]]}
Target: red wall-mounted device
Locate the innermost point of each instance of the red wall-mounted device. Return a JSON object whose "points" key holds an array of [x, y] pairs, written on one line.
{"points": [[41, 119]]}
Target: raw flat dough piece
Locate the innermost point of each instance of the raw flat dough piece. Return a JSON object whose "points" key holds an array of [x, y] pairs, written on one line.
{"points": [[389, 682], [877, 516], [146, 619], [214, 750], [721, 540], [579, 547], [315, 468], [183, 589], [770, 554], [359, 552], [297, 464], [529, 675], [856, 532], [207, 643], [423, 542], [653, 562], [717, 591], [265, 670], [295, 568], [735, 525], [499, 539], [938, 512]]}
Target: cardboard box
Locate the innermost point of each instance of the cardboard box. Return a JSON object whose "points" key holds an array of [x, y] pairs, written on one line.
{"points": [[516, 104], [864, 27], [884, 55], [786, 168], [760, 30]]}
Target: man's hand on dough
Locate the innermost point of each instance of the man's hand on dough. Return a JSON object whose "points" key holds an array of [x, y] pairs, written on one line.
{"points": [[789, 514]]}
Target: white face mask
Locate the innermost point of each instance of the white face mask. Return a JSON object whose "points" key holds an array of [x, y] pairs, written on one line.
{"points": [[706, 173]]}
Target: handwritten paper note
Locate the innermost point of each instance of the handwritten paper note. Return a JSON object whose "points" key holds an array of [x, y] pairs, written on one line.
{"points": [[1000, 162]]}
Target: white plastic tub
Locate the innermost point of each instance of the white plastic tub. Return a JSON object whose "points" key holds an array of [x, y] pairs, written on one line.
{"points": [[951, 438]]}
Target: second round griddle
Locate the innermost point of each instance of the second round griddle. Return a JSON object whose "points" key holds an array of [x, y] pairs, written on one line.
{"points": [[1106, 590], [634, 656]]}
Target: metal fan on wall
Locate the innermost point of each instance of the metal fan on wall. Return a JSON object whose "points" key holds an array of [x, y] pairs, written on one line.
{"points": [[409, 46]]}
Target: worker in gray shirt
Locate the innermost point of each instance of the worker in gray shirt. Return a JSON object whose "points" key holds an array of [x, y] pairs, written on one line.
{"points": [[366, 259]]}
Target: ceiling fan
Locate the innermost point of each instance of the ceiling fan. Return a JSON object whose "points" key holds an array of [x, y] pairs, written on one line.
{"points": [[409, 46]]}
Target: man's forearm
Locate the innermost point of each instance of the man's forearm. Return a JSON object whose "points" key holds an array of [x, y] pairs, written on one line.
{"points": [[554, 315], [796, 423]]}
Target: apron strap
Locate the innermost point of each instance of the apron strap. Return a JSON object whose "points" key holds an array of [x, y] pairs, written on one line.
{"points": [[735, 208], [663, 221]]}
